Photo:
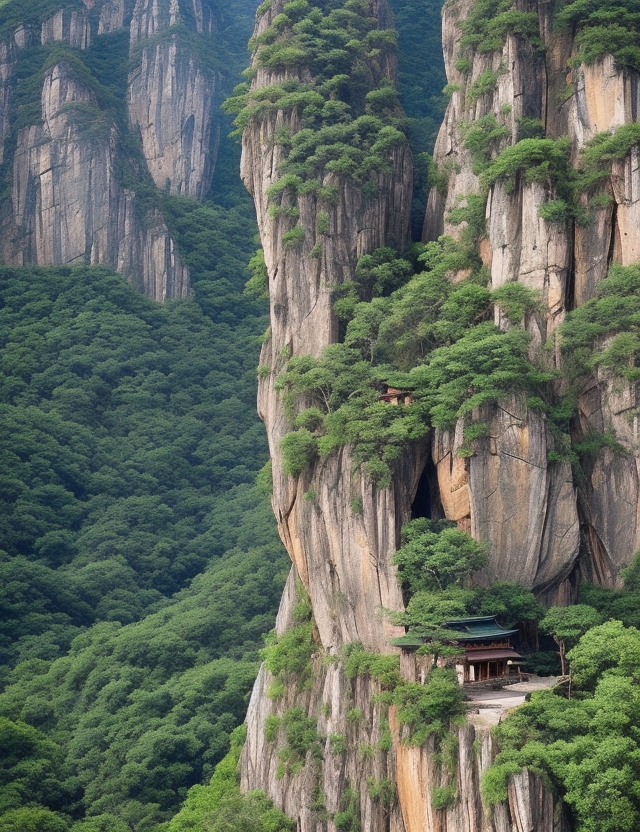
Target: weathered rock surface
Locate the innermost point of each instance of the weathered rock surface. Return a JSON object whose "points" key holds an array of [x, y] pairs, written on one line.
{"points": [[363, 751], [347, 711], [339, 529], [530, 806], [507, 493], [172, 98], [544, 527], [70, 26], [609, 499], [343, 554], [67, 205], [7, 64]]}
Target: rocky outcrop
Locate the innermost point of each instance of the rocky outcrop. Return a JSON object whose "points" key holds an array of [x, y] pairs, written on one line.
{"points": [[609, 497], [67, 203], [529, 806], [343, 553], [509, 493], [363, 764], [339, 529], [350, 726], [70, 26], [514, 489], [172, 98], [7, 64], [528, 509]]}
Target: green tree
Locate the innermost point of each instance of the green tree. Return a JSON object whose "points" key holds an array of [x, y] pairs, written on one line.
{"points": [[586, 746], [427, 613], [219, 805], [430, 709], [32, 769], [32, 819], [567, 624], [435, 560]]}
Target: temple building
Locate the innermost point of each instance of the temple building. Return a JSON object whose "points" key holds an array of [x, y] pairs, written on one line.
{"points": [[485, 651]]}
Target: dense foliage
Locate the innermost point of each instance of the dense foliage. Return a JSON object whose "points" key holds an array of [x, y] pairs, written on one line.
{"points": [[219, 806], [439, 333], [583, 737], [603, 28], [423, 710], [328, 74], [489, 21], [605, 331], [142, 712], [586, 746], [126, 427], [130, 458]]}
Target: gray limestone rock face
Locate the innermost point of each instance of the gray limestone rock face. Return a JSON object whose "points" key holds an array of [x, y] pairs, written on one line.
{"points": [[67, 205], [606, 98], [7, 65], [610, 495], [112, 16], [343, 554], [69, 162], [172, 99], [513, 489], [507, 493], [70, 26]]}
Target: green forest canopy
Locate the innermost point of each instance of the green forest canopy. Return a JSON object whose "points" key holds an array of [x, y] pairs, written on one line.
{"points": [[141, 565]]}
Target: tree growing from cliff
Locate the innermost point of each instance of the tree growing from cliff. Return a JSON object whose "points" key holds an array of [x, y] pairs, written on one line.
{"points": [[567, 624], [434, 558], [588, 746], [604, 330]]}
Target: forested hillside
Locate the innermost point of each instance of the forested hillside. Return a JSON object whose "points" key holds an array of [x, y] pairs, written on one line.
{"points": [[139, 565], [449, 386]]}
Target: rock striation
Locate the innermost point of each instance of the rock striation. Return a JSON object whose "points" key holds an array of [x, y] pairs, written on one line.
{"points": [[546, 528], [172, 97], [326, 538], [68, 205], [77, 194]]}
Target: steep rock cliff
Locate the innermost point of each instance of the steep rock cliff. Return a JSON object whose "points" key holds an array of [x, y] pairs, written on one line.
{"points": [[79, 193], [339, 528], [67, 203], [342, 554], [554, 524], [546, 527], [172, 98]]}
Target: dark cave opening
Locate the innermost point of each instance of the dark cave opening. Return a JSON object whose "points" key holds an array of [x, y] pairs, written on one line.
{"points": [[426, 502]]}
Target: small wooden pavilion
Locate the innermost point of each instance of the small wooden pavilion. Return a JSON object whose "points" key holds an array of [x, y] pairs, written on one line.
{"points": [[487, 655], [395, 396]]}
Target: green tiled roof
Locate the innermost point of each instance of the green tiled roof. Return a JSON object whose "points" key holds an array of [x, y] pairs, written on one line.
{"points": [[479, 628]]}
